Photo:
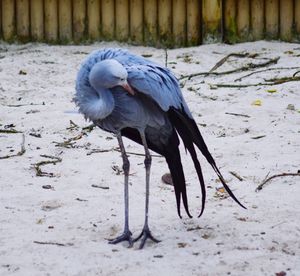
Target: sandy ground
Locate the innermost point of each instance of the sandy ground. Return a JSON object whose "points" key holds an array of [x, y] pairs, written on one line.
{"points": [[58, 224]]}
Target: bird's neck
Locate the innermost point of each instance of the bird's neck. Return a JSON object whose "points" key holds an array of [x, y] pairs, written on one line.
{"points": [[96, 104]]}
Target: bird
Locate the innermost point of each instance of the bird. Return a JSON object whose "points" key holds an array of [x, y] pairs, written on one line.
{"points": [[134, 97]]}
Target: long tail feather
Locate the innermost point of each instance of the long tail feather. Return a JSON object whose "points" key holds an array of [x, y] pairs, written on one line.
{"points": [[190, 131], [200, 177], [173, 159], [176, 170], [188, 143]]}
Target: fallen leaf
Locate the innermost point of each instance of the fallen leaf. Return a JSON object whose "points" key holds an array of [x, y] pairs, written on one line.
{"points": [[40, 221], [221, 190], [257, 103], [272, 90], [51, 205], [221, 193]]}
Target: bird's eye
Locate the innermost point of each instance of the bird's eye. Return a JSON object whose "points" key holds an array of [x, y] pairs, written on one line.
{"points": [[122, 79]]}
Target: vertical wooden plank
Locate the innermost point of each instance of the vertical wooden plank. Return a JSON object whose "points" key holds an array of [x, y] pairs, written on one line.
{"points": [[8, 19], [193, 27], [136, 21], [272, 18], [51, 20], [257, 19], [286, 19], [65, 20], [79, 15], [297, 19], [37, 20], [243, 19], [212, 22], [165, 22], [179, 22], [230, 21], [1, 37], [108, 19], [193, 22], [93, 19], [122, 20], [150, 22], [22, 15]]}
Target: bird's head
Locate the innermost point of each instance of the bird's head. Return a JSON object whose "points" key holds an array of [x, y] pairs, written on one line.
{"points": [[109, 73]]}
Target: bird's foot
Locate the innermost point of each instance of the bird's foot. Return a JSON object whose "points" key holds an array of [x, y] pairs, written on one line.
{"points": [[126, 236], [146, 234]]}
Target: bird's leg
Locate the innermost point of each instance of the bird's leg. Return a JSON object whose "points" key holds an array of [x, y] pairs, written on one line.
{"points": [[126, 236], [146, 234]]}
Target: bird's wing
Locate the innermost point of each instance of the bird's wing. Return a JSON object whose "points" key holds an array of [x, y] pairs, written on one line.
{"points": [[144, 76], [158, 83]]}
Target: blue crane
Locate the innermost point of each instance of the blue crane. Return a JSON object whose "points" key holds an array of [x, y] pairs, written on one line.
{"points": [[131, 96]]}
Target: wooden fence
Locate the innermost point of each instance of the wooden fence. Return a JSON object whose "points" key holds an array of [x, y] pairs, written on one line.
{"points": [[159, 23]]}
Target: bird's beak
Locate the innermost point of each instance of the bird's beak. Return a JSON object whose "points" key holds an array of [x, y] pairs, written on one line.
{"points": [[128, 88]]}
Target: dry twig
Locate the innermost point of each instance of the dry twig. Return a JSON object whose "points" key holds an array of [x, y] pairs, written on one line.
{"points": [[99, 151], [266, 83], [237, 176], [19, 105], [118, 150], [296, 73], [69, 143], [224, 59], [54, 243], [89, 128], [268, 69], [10, 131], [240, 69], [166, 57], [238, 114], [137, 154], [267, 179], [21, 152], [37, 166], [72, 126]]}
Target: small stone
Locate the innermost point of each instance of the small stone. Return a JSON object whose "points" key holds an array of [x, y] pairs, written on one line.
{"points": [[167, 179], [291, 107], [22, 72], [181, 244], [47, 187], [281, 273]]}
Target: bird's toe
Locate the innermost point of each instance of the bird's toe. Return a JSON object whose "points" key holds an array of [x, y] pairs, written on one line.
{"points": [[144, 236], [126, 236]]}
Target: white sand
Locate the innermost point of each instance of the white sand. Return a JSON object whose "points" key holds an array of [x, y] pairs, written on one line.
{"points": [[226, 240]]}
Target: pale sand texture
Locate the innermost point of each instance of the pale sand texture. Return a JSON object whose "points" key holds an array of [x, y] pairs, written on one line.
{"points": [[226, 240]]}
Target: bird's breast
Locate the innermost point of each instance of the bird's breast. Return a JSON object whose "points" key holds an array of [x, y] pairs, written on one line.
{"points": [[132, 111]]}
